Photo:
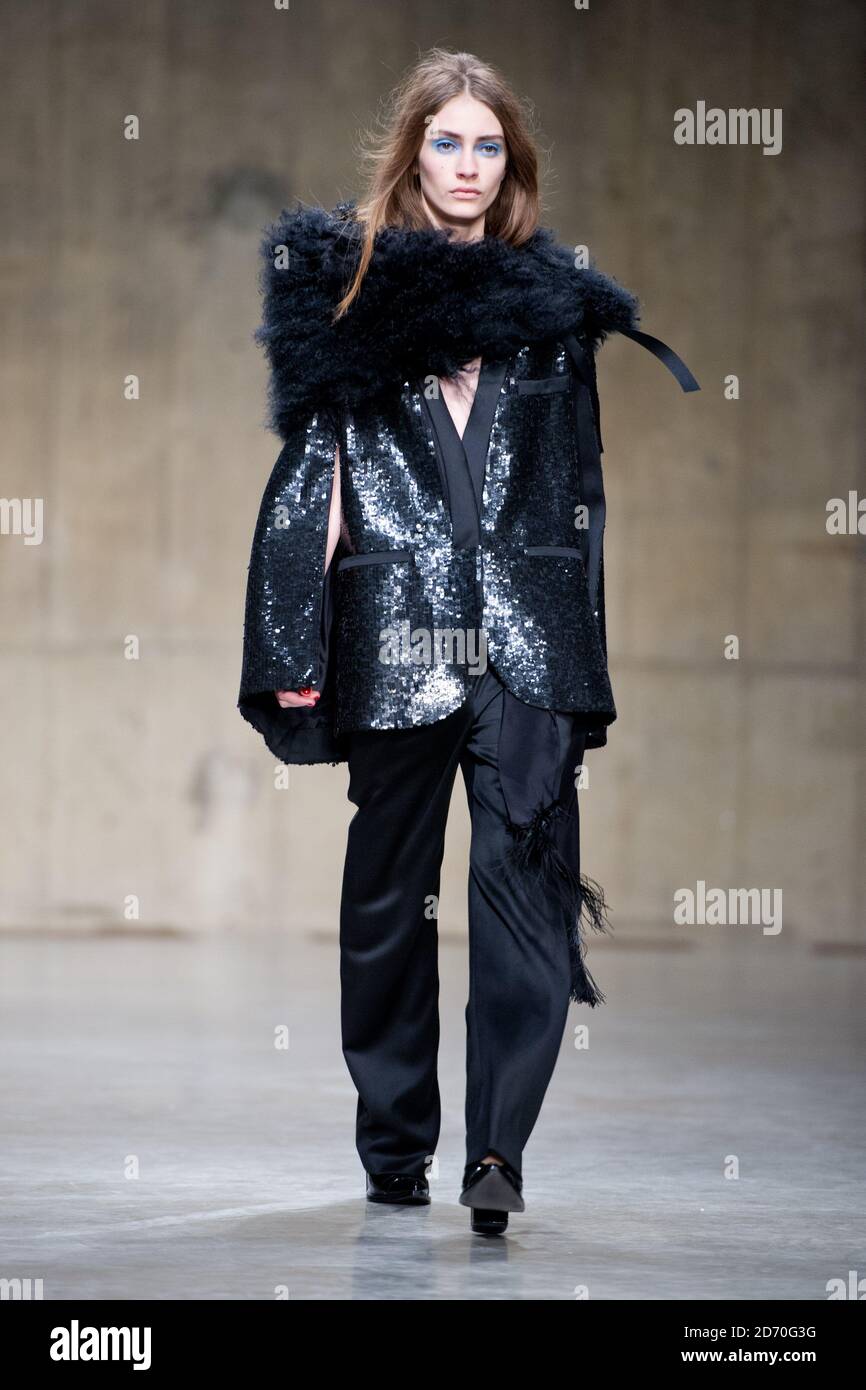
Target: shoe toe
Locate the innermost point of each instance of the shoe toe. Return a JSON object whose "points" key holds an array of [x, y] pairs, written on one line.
{"points": [[496, 1187], [407, 1188]]}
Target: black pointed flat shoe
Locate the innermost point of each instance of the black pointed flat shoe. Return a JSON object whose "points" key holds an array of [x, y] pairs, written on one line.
{"points": [[407, 1189], [496, 1187], [488, 1223]]}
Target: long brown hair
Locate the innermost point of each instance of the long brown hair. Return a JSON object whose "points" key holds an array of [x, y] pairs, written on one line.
{"points": [[393, 196]]}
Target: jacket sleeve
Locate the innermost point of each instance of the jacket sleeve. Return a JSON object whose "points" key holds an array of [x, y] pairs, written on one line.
{"points": [[584, 358], [589, 448], [597, 737], [286, 591]]}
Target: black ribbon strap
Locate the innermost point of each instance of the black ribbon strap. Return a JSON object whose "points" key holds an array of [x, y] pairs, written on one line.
{"points": [[666, 355]]}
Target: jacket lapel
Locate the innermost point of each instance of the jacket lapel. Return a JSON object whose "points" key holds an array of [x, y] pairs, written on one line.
{"points": [[476, 437], [465, 459]]}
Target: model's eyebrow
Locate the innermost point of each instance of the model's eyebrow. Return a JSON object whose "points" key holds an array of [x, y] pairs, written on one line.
{"points": [[455, 136]]}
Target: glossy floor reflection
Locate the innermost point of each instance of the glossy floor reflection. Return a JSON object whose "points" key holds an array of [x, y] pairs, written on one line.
{"points": [[160, 1143]]}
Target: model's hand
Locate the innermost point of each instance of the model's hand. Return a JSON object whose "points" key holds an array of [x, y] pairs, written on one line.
{"points": [[294, 699]]}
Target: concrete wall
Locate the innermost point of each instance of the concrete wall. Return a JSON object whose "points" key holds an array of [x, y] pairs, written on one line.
{"points": [[138, 777]]}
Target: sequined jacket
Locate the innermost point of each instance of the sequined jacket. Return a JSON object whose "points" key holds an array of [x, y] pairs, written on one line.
{"points": [[404, 617]]}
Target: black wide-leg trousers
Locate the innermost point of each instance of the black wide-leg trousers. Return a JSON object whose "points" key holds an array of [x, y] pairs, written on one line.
{"points": [[401, 781]]}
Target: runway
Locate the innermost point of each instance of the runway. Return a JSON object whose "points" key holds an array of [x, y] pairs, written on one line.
{"points": [[162, 1142]]}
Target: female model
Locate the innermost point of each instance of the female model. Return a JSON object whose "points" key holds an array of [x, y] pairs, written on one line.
{"points": [[426, 590]]}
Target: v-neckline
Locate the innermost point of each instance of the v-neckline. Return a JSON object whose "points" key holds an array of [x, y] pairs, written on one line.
{"points": [[462, 437], [474, 442]]}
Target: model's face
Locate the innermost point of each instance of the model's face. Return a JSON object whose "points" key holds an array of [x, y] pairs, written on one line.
{"points": [[461, 164]]}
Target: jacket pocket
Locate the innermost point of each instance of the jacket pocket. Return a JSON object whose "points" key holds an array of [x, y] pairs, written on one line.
{"points": [[374, 557], [552, 550], [544, 385]]}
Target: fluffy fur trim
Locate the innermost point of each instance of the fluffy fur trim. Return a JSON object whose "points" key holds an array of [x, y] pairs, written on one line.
{"points": [[428, 305]]}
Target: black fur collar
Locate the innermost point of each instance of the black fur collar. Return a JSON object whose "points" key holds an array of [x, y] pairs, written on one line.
{"points": [[427, 306]]}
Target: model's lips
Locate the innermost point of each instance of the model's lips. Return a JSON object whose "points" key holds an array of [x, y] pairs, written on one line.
{"points": [[466, 192]]}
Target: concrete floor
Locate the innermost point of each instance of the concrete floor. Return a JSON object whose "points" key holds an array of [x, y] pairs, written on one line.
{"points": [[158, 1145]]}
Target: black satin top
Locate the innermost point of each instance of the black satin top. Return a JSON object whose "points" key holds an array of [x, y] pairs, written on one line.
{"points": [[462, 461]]}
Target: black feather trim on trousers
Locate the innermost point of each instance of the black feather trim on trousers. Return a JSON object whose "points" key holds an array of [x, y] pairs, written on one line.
{"points": [[540, 753]]}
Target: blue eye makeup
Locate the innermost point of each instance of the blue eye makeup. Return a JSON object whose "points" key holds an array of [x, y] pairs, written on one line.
{"points": [[490, 148]]}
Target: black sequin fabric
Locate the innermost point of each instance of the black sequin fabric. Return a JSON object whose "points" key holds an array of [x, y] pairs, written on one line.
{"points": [[543, 634], [284, 584], [410, 608]]}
